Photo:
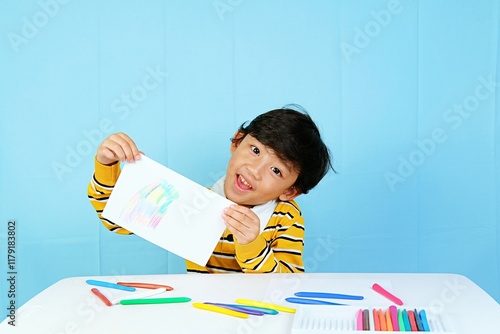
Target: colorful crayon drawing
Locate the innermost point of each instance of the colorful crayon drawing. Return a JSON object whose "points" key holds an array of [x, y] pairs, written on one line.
{"points": [[150, 204]]}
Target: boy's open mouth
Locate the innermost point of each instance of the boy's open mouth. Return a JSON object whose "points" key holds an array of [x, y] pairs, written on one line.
{"points": [[242, 184]]}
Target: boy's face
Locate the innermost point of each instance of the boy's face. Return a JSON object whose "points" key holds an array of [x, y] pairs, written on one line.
{"points": [[256, 175]]}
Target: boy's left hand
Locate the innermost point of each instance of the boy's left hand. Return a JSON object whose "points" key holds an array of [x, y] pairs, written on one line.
{"points": [[242, 222]]}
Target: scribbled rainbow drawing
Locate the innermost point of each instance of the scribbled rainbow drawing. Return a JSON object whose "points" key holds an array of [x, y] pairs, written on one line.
{"points": [[150, 204]]}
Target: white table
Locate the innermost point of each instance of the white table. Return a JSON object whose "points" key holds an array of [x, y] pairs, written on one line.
{"points": [[68, 306]]}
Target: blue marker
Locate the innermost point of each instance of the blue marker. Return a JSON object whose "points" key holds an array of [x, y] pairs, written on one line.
{"points": [[309, 301], [327, 295], [406, 320], [425, 324], [109, 285]]}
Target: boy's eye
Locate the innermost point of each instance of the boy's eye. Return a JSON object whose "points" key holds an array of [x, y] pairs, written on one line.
{"points": [[255, 150], [276, 170]]}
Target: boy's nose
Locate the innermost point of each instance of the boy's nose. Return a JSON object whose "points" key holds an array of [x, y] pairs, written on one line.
{"points": [[256, 170]]}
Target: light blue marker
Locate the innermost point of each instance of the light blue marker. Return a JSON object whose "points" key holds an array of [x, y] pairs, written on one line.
{"points": [[423, 317], [109, 285]]}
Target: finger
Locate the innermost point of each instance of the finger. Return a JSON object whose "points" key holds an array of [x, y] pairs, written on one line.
{"points": [[244, 211], [234, 220], [239, 208], [241, 229], [241, 233], [122, 146], [232, 216], [108, 154], [113, 150], [243, 214], [231, 226], [134, 152], [105, 155]]}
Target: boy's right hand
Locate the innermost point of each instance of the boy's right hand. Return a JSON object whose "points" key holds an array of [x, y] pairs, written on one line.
{"points": [[117, 147]]}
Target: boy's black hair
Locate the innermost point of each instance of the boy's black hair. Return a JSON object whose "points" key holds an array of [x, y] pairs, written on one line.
{"points": [[295, 138]]}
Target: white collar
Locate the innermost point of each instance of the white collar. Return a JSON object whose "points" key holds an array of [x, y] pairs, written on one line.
{"points": [[263, 211]]}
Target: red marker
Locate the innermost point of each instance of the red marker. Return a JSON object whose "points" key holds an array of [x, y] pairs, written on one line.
{"points": [[386, 294], [413, 323], [102, 297]]}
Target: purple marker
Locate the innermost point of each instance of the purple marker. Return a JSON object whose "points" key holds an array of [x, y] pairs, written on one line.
{"points": [[237, 308]]}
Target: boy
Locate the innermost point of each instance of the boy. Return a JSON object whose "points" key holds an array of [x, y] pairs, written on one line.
{"points": [[277, 157]]}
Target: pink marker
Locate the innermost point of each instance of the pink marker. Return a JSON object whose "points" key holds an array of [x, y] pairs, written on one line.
{"points": [[394, 317], [387, 294], [359, 320]]}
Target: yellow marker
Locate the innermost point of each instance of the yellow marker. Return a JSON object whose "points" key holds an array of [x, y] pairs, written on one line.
{"points": [[265, 305], [219, 309]]}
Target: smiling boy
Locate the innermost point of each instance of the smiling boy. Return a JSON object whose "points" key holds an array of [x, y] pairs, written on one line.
{"points": [[275, 158]]}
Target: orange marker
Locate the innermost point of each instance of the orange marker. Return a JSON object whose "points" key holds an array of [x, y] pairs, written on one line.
{"points": [[145, 285], [102, 297], [376, 320], [383, 323], [388, 319]]}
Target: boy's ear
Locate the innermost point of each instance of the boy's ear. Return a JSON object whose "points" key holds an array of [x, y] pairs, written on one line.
{"points": [[234, 144], [289, 194]]}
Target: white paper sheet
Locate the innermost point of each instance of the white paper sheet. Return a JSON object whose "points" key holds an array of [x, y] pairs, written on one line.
{"points": [[167, 209]]}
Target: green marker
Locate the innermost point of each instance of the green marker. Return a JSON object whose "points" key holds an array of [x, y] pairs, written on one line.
{"points": [[401, 323], [155, 301]]}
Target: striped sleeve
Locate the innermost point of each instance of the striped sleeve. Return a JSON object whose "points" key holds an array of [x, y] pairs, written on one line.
{"points": [[100, 188], [279, 248]]}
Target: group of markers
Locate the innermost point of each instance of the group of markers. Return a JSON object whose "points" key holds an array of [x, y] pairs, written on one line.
{"points": [[135, 297], [242, 308], [393, 320]]}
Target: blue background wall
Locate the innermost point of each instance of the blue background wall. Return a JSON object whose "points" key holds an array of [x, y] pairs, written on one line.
{"points": [[404, 93]]}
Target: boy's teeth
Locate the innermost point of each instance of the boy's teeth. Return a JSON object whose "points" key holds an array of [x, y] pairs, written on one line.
{"points": [[245, 182]]}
